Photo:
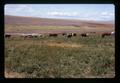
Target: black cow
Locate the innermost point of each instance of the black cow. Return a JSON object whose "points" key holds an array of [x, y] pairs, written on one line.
{"points": [[35, 36], [84, 35], [7, 35], [53, 35], [28, 36], [69, 35], [74, 34]]}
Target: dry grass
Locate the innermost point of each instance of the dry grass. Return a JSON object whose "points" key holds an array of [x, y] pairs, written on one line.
{"points": [[66, 45], [60, 57], [14, 74]]}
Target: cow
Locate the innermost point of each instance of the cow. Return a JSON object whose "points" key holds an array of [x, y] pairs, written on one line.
{"points": [[40, 35], [34, 35], [84, 34], [74, 34], [53, 35], [112, 33], [107, 34], [26, 35], [7, 35], [69, 35], [64, 34], [30, 36], [93, 32]]}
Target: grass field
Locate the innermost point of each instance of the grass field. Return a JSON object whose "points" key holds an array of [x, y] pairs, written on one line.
{"points": [[60, 57], [30, 27], [54, 29]]}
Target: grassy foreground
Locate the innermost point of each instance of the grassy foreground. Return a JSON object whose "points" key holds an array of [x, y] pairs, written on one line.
{"points": [[60, 57]]}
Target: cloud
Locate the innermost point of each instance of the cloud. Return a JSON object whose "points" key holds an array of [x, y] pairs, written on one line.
{"points": [[18, 9], [24, 8], [107, 13], [62, 13], [97, 16], [104, 13]]}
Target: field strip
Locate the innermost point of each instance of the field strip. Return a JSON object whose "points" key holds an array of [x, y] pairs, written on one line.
{"points": [[50, 43], [68, 45]]}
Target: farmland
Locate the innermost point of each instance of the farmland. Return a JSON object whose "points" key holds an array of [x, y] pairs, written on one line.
{"points": [[59, 57]]}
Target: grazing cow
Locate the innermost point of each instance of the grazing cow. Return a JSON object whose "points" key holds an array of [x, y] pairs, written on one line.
{"points": [[41, 35], [30, 36], [112, 33], [74, 34], [64, 34], [23, 35], [53, 35], [93, 32], [26, 35], [84, 34], [69, 35], [7, 35], [34, 35], [106, 34]]}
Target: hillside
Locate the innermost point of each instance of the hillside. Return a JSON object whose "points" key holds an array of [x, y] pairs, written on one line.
{"points": [[16, 20], [15, 24]]}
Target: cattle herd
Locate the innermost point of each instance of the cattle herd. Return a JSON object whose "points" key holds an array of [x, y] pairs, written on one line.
{"points": [[68, 35]]}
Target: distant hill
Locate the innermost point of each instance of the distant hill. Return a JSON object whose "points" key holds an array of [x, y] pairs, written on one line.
{"points": [[17, 20]]}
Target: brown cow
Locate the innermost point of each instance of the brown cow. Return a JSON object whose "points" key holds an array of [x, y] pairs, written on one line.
{"points": [[53, 35], [64, 34], [106, 34]]}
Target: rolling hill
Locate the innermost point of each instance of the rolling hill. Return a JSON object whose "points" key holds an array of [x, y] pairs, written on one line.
{"points": [[17, 20], [17, 24]]}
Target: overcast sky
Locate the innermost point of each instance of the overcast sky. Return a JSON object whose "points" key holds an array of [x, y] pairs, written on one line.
{"points": [[96, 12]]}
